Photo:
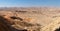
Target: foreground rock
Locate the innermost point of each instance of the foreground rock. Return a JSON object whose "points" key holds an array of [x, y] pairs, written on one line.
{"points": [[14, 23]]}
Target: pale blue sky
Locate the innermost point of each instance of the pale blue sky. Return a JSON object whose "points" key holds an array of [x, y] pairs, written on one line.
{"points": [[29, 3]]}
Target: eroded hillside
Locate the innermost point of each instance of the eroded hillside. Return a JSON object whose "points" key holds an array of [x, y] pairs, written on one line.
{"points": [[30, 18]]}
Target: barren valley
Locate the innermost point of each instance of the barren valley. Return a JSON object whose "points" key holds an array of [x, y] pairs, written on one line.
{"points": [[38, 17]]}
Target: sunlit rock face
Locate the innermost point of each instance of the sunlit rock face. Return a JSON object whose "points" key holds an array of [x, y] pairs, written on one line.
{"points": [[30, 19], [17, 23]]}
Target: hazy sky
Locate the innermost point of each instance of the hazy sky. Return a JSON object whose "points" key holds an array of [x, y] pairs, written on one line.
{"points": [[29, 3]]}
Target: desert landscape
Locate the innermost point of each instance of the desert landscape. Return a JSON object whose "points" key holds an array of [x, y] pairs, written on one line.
{"points": [[30, 19]]}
